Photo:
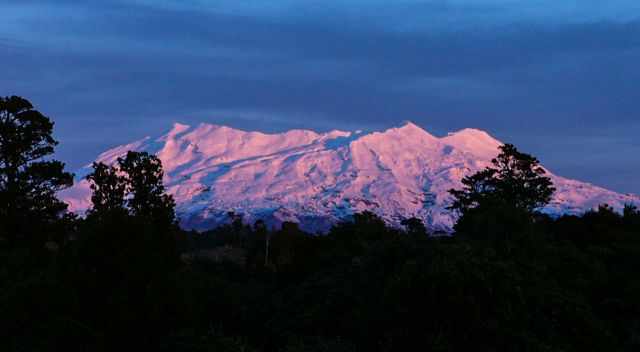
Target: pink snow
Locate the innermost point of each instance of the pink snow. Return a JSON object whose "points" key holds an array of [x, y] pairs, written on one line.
{"points": [[319, 178]]}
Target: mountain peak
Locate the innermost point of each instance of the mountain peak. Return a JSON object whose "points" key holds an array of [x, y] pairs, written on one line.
{"points": [[471, 133], [176, 129], [177, 126], [205, 126], [407, 130], [410, 126], [474, 141], [320, 178]]}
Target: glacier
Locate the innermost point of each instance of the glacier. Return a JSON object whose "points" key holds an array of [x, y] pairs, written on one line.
{"points": [[318, 179]]}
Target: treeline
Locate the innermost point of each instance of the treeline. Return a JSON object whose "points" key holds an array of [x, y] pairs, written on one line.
{"points": [[126, 276]]}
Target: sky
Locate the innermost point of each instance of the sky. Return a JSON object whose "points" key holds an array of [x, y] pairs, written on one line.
{"points": [[559, 79]]}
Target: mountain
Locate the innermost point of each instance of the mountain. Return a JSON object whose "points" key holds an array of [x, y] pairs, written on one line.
{"points": [[316, 179]]}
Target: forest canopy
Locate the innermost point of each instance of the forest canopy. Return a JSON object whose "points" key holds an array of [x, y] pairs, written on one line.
{"points": [[125, 274]]}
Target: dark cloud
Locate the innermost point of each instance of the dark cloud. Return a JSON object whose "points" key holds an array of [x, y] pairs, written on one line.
{"points": [[111, 71]]}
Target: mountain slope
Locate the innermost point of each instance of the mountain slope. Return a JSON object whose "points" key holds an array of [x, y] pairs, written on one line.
{"points": [[317, 179]]}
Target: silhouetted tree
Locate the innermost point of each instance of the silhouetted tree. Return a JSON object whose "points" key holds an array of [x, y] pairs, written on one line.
{"points": [[631, 215], [516, 179], [130, 203], [503, 197], [28, 182], [143, 174], [262, 235], [108, 189], [133, 185], [128, 241], [286, 245], [414, 227]]}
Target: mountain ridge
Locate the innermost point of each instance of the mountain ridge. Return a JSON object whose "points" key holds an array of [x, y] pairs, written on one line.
{"points": [[317, 179]]}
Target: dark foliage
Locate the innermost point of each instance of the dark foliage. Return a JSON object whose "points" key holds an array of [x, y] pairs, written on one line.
{"points": [[516, 179], [501, 200], [28, 181], [143, 176], [107, 189], [569, 286], [133, 186], [125, 277]]}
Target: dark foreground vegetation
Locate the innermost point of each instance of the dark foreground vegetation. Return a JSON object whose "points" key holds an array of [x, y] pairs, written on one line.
{"points": [[126, 276]]}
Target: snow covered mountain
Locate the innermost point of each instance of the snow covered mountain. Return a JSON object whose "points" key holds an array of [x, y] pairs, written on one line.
{"points": [[316, 179]]}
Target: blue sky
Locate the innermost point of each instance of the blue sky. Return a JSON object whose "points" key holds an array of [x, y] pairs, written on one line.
{"points": [[557, 78]]}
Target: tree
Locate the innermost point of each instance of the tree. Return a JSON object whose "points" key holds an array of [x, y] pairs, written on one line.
{"points": [[517, 180], [504, 195], [131, 213], [134, 185], [143, 173], [108, 189], [28, 182], [631, 215], [414, 227], [129, 239]]}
